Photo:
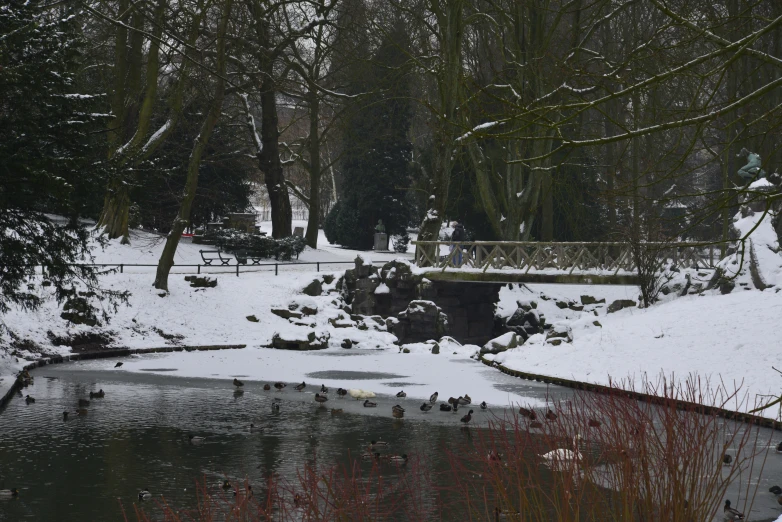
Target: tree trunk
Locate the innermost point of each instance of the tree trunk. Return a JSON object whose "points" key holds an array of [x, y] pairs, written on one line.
{"points": [[314, 146], [269, 160], [450, 23], [194, 163]]}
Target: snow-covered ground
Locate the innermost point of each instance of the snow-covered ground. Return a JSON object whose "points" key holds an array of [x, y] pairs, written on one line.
{"points": [[729, 340]]}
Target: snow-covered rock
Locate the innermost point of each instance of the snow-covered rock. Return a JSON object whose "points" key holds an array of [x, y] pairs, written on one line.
{"points": [[502, 343]]}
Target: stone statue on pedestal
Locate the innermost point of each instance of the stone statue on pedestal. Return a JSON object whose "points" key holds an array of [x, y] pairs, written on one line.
{"points": [[751, 171]]}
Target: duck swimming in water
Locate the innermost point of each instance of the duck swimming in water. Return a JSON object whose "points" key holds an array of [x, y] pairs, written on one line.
{"points": [[399, 459], [8, 493], [401, 394], [320, 398], [29, 400], [237, 382], [196, 440], [323, 389], [144, 494], [266, 387], [426, 407], [300, 387], [369, 404]]}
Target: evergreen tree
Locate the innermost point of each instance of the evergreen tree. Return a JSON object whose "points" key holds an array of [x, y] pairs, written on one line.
{"points": [[47, 152], [376, 163]]}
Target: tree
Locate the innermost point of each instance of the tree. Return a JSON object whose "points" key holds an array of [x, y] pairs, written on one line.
{"points": [[377, 153], [199, 148], [47, 149]]}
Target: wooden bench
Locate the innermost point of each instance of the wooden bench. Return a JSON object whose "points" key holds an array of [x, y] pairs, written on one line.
{"points": [[208, 260]]}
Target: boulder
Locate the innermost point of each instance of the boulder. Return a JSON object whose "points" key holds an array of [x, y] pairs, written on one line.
{"points": [[559, 333], [575, 307], [252, 319], [347, 344], [419, 322], [285, 313], [561, 305], [328, 278], [314, 288], [201, 282], [77, 310], [435, 349], [589, 300], [310, 340], [620, 304], [500, 344]]}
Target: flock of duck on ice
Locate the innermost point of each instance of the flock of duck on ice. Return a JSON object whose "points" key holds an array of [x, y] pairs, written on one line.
{"points": [[557, 456]]}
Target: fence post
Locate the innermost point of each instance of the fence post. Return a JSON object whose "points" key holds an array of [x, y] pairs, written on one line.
{"points": [[275, 268], [199, 268], [318, 263], [237, 269]]}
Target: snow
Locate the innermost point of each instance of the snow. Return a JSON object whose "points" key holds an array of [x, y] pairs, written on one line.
{"points": [[730, 339], [761, 183], [382, 289], [762, 243]]}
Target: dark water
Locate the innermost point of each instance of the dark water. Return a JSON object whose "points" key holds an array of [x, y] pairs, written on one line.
{"points": [[137, 437]]}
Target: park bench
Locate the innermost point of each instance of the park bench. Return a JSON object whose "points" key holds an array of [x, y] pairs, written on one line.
{"points": [[242, 256], [212, 257]]}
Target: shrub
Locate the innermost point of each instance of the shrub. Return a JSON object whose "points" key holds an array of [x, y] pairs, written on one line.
{"points": [[401, 242]]}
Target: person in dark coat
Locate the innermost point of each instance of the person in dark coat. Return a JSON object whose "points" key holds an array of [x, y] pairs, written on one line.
{"points": [[457, 237]]}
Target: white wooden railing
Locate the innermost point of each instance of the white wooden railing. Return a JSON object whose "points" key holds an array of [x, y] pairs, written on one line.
{"points": [[567, 257]]}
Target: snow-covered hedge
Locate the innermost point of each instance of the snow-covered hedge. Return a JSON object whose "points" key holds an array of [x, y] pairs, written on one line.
{"points": [[258, 246]]}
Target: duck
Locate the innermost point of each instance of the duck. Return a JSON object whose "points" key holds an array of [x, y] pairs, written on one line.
{"points": [[195, 440], [378, 444], [730, 513], [320, 398], [530, 414], [280, 385], [266, 387], [323, 389], [237, 382], [144, 494], [29, 400], [484, 405], [400, 459], [300, 387], [118, 365], [81, 412], [369, 404], [401, 394], [398, 408], [341, 392], [468, 398], [255, 429], [84, 402], [445, 407], [8, 493], [775, 490], [370, 456], [65, 415], [275, 407], [463, 401], [336, 411], [226, 484], [100, 394], [536, 424], [779, 500], [727, 460], [594, 423], [426, 407], [550, 415], [453, 401], [467, 418], [433, 398], [398, 414], [505, 515]]}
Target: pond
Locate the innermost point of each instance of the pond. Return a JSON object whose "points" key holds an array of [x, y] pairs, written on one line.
{"points": [[137, 437]]}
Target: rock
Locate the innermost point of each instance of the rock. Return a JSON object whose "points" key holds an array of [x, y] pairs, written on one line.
{"points": [[405, 350], [341, 322], [500, 344], [589, 300], [315, 288], [328, 278], [252, 319], [420, 322], [620, 304], [201, 282], [561, 305], [347, 344], [436, 349], [526, 305], [559, 333], [308, 309], [597, 323], [285, 313], [300, 341], [77, 310], [575, 307]]}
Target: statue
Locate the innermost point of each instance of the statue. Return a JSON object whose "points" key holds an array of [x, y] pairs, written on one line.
{"points": [[752, 169], [380, 228]]}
